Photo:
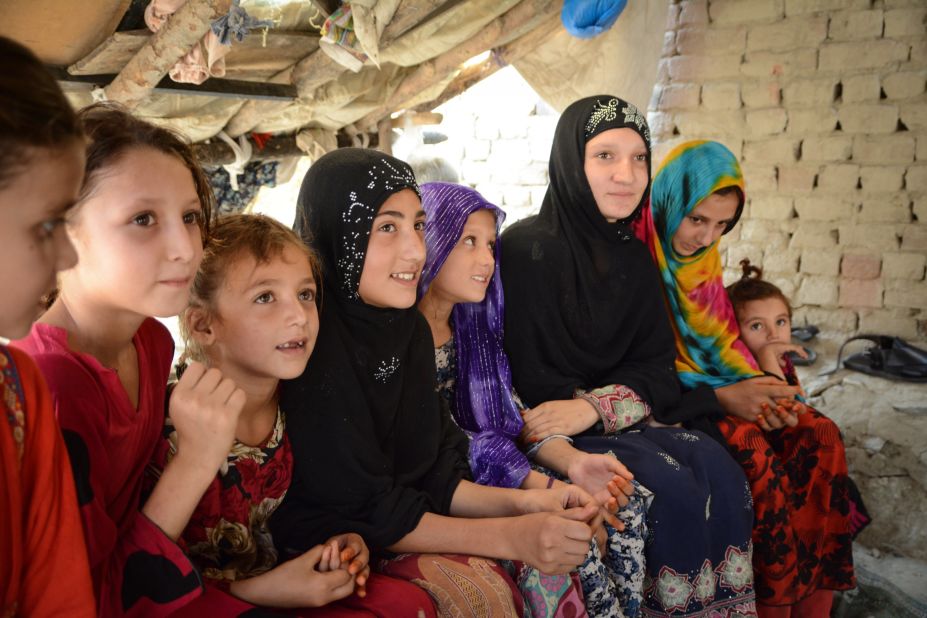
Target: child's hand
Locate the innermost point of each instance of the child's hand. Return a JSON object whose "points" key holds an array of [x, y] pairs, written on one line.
{"points": [[745, 399], [567, 417], [204, 408], [771, 357], [348, 552], [552, 543], [603, 477]]}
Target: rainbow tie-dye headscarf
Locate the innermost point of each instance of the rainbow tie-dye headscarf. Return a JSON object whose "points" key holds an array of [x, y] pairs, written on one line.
{"points": [[708, 346]]}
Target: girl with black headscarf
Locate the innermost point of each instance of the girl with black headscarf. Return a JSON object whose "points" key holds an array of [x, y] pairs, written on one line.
{"points": [[592, 353], [374, 452]]}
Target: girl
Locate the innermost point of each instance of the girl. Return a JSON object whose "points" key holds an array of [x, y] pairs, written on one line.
{"points": [[592, 354], [797, 473], [366, 409], [138, 230], [43, 562], [461, 297], [253, 315]]}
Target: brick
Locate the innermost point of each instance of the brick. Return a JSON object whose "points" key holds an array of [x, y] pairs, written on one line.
{"points": [[745, 11], [537, 196], [486, 129], [700, 124], [861, 55], [914, 237], [783, 261], [533, 174], [916, 178], [760, 178], [882, 178], [817, 290], [786, 284], [693, 13], [883, 150], [788, 64], [904, 84], [904, 265], [661, 127], [868, 118], [914, 114], [669, 43], [905, 22], [721, 95], [797, 178], [760, 93], [810, 92], [477, 150], [922, 149], [920, 209], [837, 148], [744, 250], [919, 52], [814, 234], [812, 121], [704, 42], [837, 320], [672, 17], [855, 25], [769, 206], [776, 150], [680, 96], [800, 7], [788, 34], [902, 293], [474, 172], [861, 266], [491, 191], [703, 68], [823, 209], [894, 322], [820, 262], [861, 88], [755, 230], [860, 293], [663, 75], [871, 236], [770, 121], [839, 177]]}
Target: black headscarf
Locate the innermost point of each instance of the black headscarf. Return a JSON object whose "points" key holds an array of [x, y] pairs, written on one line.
{"points": [[373, 450], [582, 295]]}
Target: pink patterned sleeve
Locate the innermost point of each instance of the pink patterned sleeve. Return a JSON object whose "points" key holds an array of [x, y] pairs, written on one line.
{"points": [[618, 406]]}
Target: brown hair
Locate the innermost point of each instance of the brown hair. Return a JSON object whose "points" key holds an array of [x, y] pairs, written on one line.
{"points": [[113, 131], [33, 110], [234, 237], [751, 286]]}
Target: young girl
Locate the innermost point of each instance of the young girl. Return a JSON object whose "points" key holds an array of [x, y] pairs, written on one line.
{"points": [[43, 562], [592, 352], [253, 316], [138, 230], [461, 297], [795, 463], [365, 413]]}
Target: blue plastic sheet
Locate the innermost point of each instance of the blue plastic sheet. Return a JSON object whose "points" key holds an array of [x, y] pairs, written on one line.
{"points": [[586, 19]]}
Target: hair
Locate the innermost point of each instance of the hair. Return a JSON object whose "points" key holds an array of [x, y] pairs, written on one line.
{"points": [[751, 286], [113, 132], [34, 112], [235, 237], [729, 190]]}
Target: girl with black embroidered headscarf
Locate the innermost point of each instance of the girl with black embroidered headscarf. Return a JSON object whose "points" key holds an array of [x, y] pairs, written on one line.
{"points": [[374, 452], [592, 353]]}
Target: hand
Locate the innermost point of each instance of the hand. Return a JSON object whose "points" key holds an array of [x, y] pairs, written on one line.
{"points": [[204, 408], [771, 356], [349, 552], [566, 416], [784, 414], [595, 474], [297, 583], [746, 398], [566, 496], [552, 543]]}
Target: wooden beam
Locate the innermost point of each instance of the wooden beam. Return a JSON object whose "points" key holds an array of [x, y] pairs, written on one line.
{"points": [[217, 152], [212, 87], [182, 31], [523, 17]]}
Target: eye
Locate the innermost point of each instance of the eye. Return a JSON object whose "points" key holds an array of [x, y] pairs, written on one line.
{"points": [[781, 322], [264, 298], [603, 155], [387, 227], [47, 228], [307, 295], [695, 219], [144, 219], [492, 245], [641, 157], [192, 217], [756, 326], [469, 241], [420, 226]]}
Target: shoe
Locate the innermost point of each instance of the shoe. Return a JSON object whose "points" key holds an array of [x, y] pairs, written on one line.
{"points": [[891, 358]]}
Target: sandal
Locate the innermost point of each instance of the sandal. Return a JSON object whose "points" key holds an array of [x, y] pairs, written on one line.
{"points": [[891, 358]]}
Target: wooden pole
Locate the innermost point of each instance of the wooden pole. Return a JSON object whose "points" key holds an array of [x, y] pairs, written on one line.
{"points": [[217, 152], [182, 31]]}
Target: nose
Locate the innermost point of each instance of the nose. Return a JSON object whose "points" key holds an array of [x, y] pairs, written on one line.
{"points": [[296, 312], [413, 248], [704, 236], [486, 257], [65, 254], [182, 241], [622, 171]]}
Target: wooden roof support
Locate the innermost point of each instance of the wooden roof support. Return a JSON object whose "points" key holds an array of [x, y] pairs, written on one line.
{"points": [[152, 62], [277, 147], [524, 16], [317, 69]]}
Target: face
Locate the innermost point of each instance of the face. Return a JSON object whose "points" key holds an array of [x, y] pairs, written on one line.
{"points": [[764, 321], [138, 236], [617, 171], [705, 224], [465, 274], [33, 242], [265, 320], [395, 253]]}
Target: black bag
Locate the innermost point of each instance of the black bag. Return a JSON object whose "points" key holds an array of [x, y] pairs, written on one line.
{"points": [[891, 358]]}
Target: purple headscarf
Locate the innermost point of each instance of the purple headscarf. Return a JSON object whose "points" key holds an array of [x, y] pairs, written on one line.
{"points": [[484, 406]]}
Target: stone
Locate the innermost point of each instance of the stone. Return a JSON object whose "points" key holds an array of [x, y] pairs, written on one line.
{"points": [[860, 266], [868, 118], [760, 93], [801, 7], [905, 22], [788, 34], [812, 121], [703, 68], [724, 12], [860, 293], [679, 96], [721, 96], [516, 196], [770, 121], [713, 42], [783, 261], [855, 25], [904, 293], [870, 236], [824, 149], [904, 84], [915, 237], [699, 124], [817, 290], [761, 178], [820, 262], [798, 179], [814, 234], [909, 266], [486, 128], [914, 114], [883, 149], [876, 178], [839, 177], [888, 322], [474, 172], [810, 92], [693, 13], [799, 62], [661, 125], [886, 208], [477, 150], [776, 150], [916, 178], [769, 207], [872, 54], [863, 88], [744, 250], [823, 209]]}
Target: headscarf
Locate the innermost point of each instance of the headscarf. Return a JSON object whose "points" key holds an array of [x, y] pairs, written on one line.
{"points": [[709, 350], [373, 450], [484, 406], [583, 302]]}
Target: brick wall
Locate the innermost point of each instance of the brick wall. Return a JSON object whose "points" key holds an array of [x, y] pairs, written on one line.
{"points": [[824, 102]]}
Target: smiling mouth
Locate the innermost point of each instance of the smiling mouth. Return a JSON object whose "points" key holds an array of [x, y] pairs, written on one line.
{"points": [[296, 344], [405, 277], [480, 278], [176, 282]]}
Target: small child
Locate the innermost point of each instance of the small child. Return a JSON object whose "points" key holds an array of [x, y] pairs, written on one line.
{"points": [[253, 316], [43, 562]]}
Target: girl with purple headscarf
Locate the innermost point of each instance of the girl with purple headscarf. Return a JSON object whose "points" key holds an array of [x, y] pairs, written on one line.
{"points": [[461, 298]]}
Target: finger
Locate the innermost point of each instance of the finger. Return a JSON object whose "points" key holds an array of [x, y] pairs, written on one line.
{"points": [[362, 576], [621, 470], [626, 487], [191, 376], [209, 381], [323, 560], [580, 514], [763, 424], [313, 556], [774, 421]]}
